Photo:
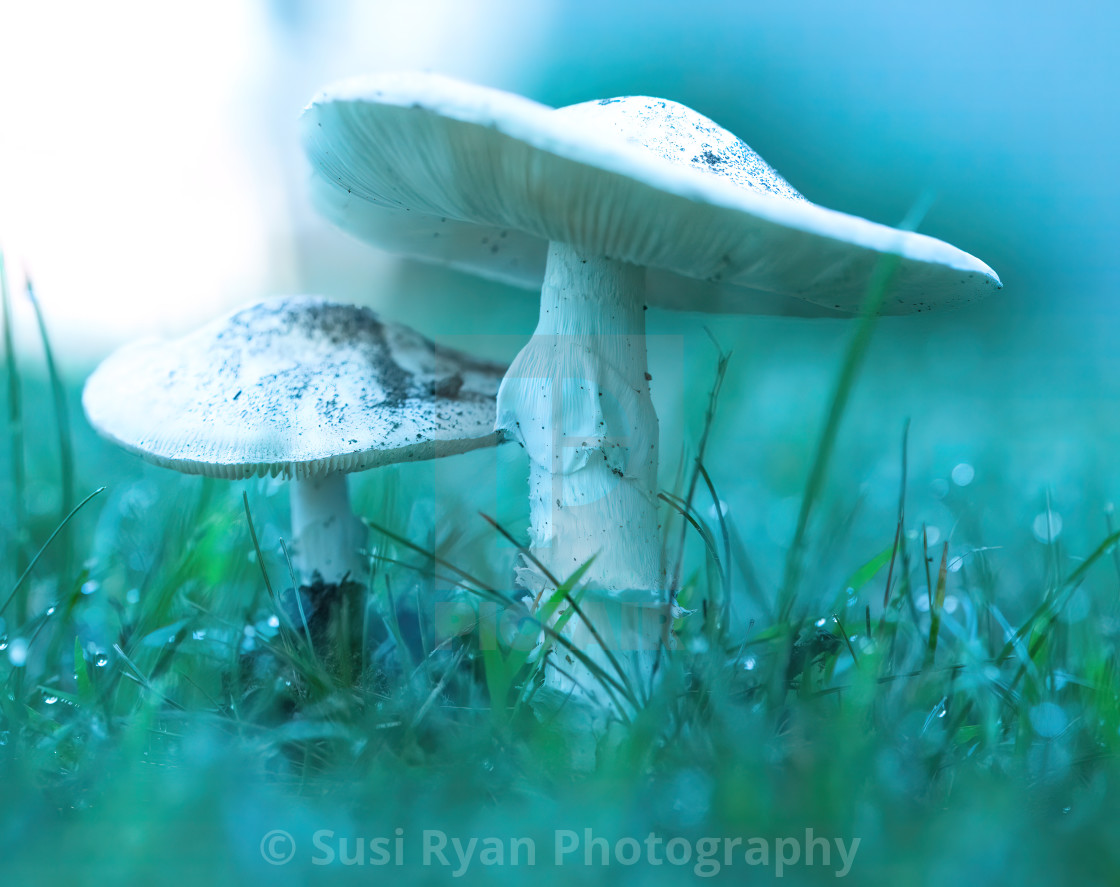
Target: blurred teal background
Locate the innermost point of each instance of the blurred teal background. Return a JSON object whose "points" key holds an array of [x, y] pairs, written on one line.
{"points": [[151, 177]]}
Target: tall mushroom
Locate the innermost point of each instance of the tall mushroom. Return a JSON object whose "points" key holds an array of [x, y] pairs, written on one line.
{"points": [[298, 387], [607, 206]]}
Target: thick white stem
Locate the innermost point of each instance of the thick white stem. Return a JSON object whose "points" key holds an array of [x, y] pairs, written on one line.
{"points": [[577, 397], [326, 534]]}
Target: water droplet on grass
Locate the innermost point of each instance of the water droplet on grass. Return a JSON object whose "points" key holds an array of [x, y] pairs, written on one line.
{"points": [[91, 586], [17, 652], [722, 510], [50, 700], [273, 621], [1047, 526], [1048, 720], [749, 663], [100, 660]]}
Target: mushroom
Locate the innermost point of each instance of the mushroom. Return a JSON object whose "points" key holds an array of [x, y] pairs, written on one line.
{"points": [[608, 206], [302, 388]]}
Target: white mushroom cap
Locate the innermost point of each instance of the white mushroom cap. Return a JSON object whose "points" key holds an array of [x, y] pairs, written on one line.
{"points": [[482, 180], [297, 386]]}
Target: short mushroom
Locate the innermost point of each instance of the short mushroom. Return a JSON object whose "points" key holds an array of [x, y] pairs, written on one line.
{"points": [[613, 205], [302, 388]]}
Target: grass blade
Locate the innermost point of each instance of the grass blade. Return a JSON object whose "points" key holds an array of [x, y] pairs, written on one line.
{"points": [[901, 514], [722, 360], [15, 433], [853, 360], [50, 539], [62, 424], [937, 601]]}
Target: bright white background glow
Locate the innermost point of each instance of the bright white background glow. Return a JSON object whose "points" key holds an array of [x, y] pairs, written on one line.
{"points": [[150, 172], [122, 187]]}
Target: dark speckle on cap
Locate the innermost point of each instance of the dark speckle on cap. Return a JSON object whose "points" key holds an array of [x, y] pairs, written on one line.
{"points": [[681, 135], [295, 386]]}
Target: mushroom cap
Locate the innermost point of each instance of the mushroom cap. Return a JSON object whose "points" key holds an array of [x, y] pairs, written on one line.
{"points": [[482, 180], [297, 386]]}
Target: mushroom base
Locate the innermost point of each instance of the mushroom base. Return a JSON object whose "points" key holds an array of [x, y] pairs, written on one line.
{"points": [[622, 643]]}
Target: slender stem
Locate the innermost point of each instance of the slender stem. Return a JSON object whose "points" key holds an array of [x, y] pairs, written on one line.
{"points": [[325, 531]]}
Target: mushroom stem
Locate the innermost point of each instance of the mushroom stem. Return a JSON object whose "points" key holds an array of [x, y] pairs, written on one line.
{"points": [[577, 398], [326, 534]]}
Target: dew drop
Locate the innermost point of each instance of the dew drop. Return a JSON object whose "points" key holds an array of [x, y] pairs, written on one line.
{"points": [[17, 652], [91, 586], [1047, 526], [749, 663], [1049, 720], [963, 474], [722, 510]]}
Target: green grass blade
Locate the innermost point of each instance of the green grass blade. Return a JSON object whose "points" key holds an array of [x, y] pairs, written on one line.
{"points": [[876, 294], [722, 360], [15, 435], [46, 545], [62, 425]]}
